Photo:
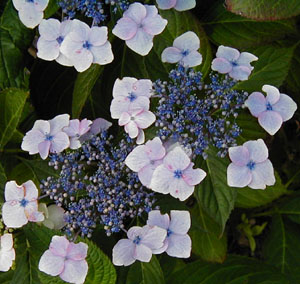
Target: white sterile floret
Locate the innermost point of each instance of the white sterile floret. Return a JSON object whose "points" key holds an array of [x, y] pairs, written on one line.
{"points": [[54, 216], [7, 252]]}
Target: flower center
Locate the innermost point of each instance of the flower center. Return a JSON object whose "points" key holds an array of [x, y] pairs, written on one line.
{"points": [[169, 233], [23, 202], [185, 52], [131, 97], [137, 240], [87, 45], [60, 39], [178, 174], [251, 165], [269, 106], [29, 1], [49, 137], [233, 63]]}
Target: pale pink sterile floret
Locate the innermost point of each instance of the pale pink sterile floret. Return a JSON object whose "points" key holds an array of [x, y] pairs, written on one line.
{"points": [[135, 122], [177, 243], [30, 12], [272, 110], [7, 252], [138, 26], [20, 204], [144, 159], [230, 60], [98, 125], [130, 94], [84, 46], [250, 166], [141, 243], [47, 136], [75, 130], [179, 5], [184, 50], [66, 260], [176, 175], [52, 34]]}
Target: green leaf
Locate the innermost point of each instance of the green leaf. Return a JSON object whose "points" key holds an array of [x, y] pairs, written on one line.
{"points": [[291, 209], [213, 194], [264, 9], [52, 7], [235, 270], [12, 102], [281, 248], [225, 28], [3, 180]]}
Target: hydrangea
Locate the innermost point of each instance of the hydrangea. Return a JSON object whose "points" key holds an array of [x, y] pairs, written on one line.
{"points": [[176, 175], [54, 216], [7, 252], [30, 11], [138, 26], [250, 166], [184, 50], [84, 46], [230, 61], [52, 34], [20, 204], [272, 110], [179, 5], [97, 126], [47, 136], [177, 243], [66, 260], [140, 245]]}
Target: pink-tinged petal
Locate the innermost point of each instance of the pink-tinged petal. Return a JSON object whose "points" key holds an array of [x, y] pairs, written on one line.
{"points": [[124, 118], [194, 58], [14, 191], [122, 253], [229, 53], [176, 159], [82, 59], [51, 264], [245, 59], [155, 218], [193, 176], [154, 25], [166, 4], [153, 237], [35, 216], [44, 148], [29, 16], [146, 173], [161, 179], [238, 176], [239, 155], [41, 5], [171, 55], [31, 192], [59, 246], [80, 31], [102, 54], [124, 87], [180, 221], [98, 35], [13, 214], [187, 41], [179, 246], [119, 105], [6, 242], [134, 231], [270, 121], [58, 123], [60, 142], [258, 151], [63, 60], [77, 251], [141, 102], [47, 50], [69, 46], [132, 129], [125, 28], [145, 119], [184, 5], [136, 11], [99, 125], [286, 107], [31, 141], [180, 189], [155, 149], [142, 253], [143, 88], [49, 29], [18, 4], [163, 248], [256, 103], [141, 43], [74, 271], [240, 73], [84, 126], [262, 175], [273, 94], [140, 139], [73, 127], [137, 158], [221, 65], [151, 11]]}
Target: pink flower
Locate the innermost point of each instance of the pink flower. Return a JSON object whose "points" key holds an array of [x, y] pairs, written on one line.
{"points": [[65, 259], [98, 125], [176, 175], [130, 94], [21, 204], [179, 5], [177, 243], [7, 252], [139, 246], [250, 166], [271, 110], [145, 159], [138, 26], [47, 136]]}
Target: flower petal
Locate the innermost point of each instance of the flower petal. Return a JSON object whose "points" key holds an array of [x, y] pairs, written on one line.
{"points": [[245, 59], [193, 176], [118, 106], [145, 119], [240, 73], [194, 58], [31, 141], [154, 25], [63, 60], [136, 11], [229, 53], [58, 123], [179, 246], [140, 139], [29, 16], [273, 94], [77, 251], [155, 218], [123, 87], [171, 55], [99, 125], [256, 103], [184, 5], [141, 43], [258, 151], [161, 179], [122, 253], [18, 4], [59, 246], [6, 259], [180, 221], [137, 158], [73, 128], [153, 237], [102, 54], [238, 176], [98, 35], [176, 159], [60, 142], [239, 155], [132, 129], [75, 271], [155, 149], [270, 121], [143, 88], [6, 242], [31, 192], [44, 148], [47, 50], [142, 253], [166, 4], [187, 41], [51, 264], [180, 189], [49, 29], [82, 59], [262, 175], [14, 191], [13, 214], [221, 65], [124, 118], [40, 5], [125, 28], [56, 216], [80, 31], [285, 106], [146, 173]]}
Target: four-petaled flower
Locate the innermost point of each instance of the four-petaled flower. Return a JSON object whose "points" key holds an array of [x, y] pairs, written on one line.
{"points": [[271, 110], [177, 243], [140, 245], [176, 175], [47, 136], [21, 204], [179, 5], [7, 252], [65, 259], [145, 159], [230, 60], [250, 166], [138, 26]]}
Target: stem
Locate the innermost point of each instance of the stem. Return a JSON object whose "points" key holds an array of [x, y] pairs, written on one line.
{"points": [[11, 151], [292, 179], [42, 196]]}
